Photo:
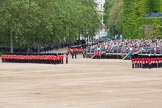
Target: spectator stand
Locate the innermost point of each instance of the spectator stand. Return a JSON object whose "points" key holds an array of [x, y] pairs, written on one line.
{"points": [[123, 49]]}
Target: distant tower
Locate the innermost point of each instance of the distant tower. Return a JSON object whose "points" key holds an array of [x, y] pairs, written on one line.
{"points": [[100, 9]]}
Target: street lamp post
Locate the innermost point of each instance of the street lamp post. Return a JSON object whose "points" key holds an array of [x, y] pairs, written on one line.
{"points": [[114, 30], [87, 38]]}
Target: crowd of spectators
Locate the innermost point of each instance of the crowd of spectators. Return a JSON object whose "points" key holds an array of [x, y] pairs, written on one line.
{"points": [[137, 46], [22, 49], [41, 47]]}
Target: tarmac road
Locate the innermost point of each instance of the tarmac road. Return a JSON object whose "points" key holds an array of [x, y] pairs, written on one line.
{"points": [[83, 83]]}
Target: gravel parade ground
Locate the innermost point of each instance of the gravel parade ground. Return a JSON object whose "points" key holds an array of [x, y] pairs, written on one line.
{"points": [[83, 83]]}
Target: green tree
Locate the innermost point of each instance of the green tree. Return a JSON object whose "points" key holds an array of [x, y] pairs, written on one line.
{"points": [[33, 22]]}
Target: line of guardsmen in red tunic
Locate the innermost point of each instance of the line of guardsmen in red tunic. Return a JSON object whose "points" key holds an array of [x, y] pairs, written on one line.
{"points": [[75, 51], [147, 62], [97, 55], [78, 50], [47, 59]]}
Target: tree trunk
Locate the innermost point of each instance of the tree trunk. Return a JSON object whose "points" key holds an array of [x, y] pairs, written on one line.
{"points": [[28, 49], [79, 38], [38, 50], [11, 41]]}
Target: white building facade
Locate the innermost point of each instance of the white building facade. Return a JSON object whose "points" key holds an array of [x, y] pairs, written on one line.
{"points": [[100, 9]]}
